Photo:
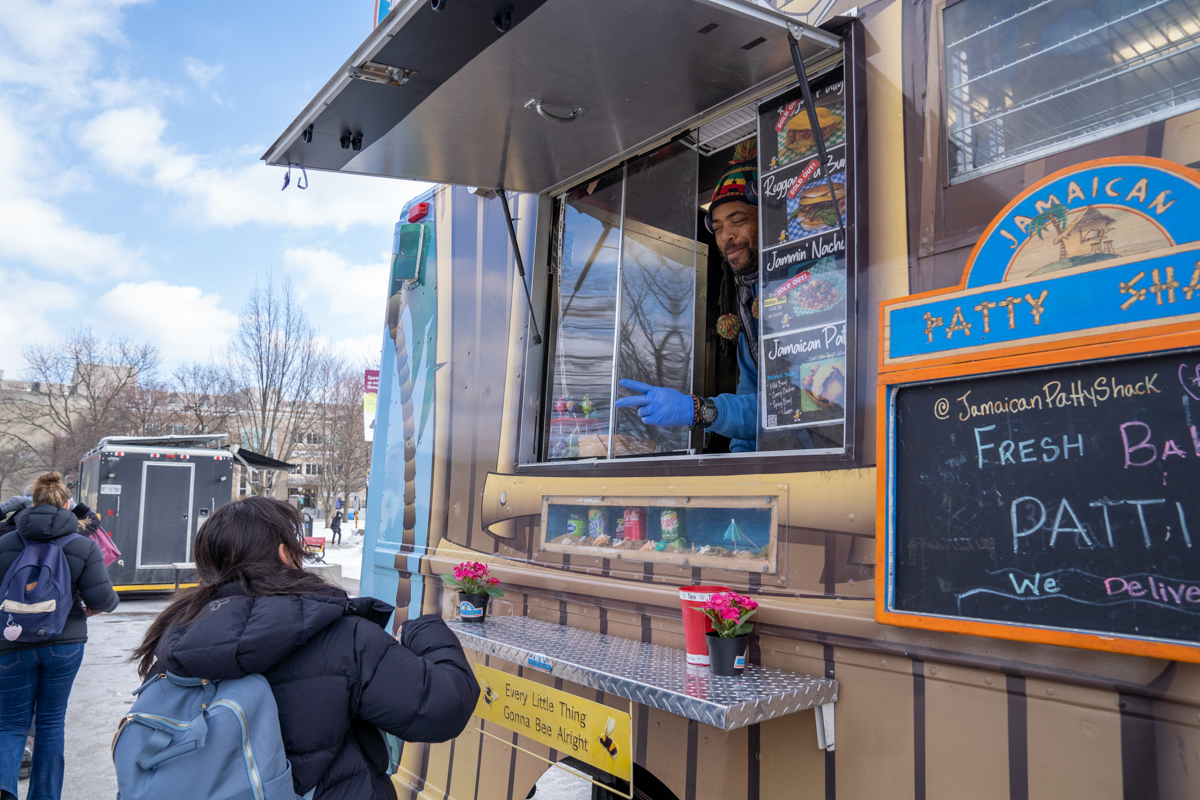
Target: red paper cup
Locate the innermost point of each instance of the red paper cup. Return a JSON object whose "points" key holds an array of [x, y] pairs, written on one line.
{"points": [[695, 622]]}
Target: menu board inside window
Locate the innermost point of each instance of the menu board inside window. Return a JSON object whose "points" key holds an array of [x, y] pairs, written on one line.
{"points": [[805, 290]]}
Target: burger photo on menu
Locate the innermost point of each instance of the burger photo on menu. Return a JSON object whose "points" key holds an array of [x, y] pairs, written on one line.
{"points": [[797, 141], [812, 209]]}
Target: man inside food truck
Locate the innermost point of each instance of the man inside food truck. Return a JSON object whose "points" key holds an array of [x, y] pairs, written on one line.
{"points": [[733, 219]]}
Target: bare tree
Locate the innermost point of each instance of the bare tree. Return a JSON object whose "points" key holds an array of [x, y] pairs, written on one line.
{"points": [[17, 465], [148, 409], [205, 397], [275, 369], [76, 392], [343, 457]]}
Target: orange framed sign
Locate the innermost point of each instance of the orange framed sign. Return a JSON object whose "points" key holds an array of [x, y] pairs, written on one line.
{"points": [[1039, 450]]}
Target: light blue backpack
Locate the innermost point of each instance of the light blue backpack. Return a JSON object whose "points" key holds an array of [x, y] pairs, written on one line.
{"points": [[193, 739]]}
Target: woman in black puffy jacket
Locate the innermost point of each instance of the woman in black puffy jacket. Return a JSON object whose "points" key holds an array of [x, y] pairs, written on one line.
{"points": [[338, 677], [41, 673]]}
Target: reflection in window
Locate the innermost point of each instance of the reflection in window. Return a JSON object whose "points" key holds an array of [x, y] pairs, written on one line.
{"points": [[1025, 77], [581, 375], [658, 290], [627, 291]]}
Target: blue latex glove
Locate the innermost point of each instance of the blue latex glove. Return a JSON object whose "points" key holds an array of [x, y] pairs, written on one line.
{"points": [[657, 405]]}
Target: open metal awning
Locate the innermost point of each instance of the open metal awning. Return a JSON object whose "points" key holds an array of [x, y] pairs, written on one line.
{"points": [[257, 460], [567, 86]]}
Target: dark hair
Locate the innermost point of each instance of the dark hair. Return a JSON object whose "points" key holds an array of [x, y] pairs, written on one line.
{"points": [[49, 490], [239, 547]]}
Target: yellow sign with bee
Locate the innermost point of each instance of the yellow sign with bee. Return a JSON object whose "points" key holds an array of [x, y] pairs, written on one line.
{"points": [[591, 732]]}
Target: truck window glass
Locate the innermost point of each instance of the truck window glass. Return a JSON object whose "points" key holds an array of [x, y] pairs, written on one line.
{"points": [[581, 375], [657, 308]]}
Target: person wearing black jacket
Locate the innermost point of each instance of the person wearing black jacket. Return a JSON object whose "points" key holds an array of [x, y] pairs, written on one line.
{"points": [[42, 673], [338, 677], [89, 523], [336, 527]]}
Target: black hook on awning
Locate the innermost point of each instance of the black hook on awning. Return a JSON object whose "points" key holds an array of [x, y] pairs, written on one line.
{"points": [[798, 62], [512, 235], [301, 183]]}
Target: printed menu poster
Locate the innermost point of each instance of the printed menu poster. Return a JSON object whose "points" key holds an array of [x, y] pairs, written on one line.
{"points": [[803, 292]]}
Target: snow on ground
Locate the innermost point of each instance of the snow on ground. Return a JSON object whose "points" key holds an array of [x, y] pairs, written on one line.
{"points": [[563, 783], [349, 553]]}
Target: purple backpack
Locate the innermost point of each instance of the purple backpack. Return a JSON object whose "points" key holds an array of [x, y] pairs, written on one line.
{"points": [[36, 594]]}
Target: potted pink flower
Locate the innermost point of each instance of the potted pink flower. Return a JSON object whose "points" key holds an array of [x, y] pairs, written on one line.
{"points": [[474, 586], [730, 613]]}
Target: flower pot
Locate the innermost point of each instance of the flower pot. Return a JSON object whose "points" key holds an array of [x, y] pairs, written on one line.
{"points": [[472, 607], [727, 656]]}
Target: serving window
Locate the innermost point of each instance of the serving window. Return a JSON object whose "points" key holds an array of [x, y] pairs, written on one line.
{"points": [[639, 290]]}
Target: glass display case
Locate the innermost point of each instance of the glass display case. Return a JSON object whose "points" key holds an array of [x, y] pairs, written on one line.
{"points": [[733, 533]]}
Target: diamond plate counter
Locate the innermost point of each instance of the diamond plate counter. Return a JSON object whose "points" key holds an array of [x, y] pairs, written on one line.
{"points": [[652, 674]]}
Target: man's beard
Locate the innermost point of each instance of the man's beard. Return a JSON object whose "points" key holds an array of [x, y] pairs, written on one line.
{"points": [[751, 264]]}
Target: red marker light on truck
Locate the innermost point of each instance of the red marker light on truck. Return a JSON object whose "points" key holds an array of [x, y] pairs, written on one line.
{"points": [[418, 212]]}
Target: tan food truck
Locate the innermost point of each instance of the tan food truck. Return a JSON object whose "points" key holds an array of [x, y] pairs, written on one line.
{"points": [[966, 498]]}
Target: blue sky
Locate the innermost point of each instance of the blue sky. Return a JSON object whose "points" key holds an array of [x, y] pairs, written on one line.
{"points": [[131, 194]]}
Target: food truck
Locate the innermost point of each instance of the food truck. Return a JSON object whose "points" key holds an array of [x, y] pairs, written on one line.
{"points": [[968, 505], [152, 494]]}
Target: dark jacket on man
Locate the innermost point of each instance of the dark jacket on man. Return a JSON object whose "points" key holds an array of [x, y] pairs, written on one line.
{"points": [[339, 679], [89, 577]]}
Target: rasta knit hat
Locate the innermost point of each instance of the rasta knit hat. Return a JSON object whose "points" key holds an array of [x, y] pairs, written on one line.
{"points": [[740, 181]]}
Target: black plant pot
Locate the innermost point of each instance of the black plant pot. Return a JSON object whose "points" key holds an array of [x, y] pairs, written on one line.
{"points": [[472, 607], [727, 656]]}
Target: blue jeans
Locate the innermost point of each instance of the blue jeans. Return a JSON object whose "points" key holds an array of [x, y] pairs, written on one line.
{"points": [[41, 675]]}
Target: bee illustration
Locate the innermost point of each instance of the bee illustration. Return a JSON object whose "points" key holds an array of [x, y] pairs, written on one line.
{"points": [[489, 695], [605, 739]]}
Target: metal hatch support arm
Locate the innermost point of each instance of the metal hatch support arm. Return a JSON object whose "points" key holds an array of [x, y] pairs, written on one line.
{"points": [[512, 235], [795, 31]]}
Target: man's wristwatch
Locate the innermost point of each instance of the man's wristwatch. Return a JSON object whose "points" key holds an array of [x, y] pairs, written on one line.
{"points": [[706, 412]]}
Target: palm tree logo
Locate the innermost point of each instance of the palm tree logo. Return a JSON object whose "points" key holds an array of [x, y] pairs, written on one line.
{"points": [[1055, 215]]}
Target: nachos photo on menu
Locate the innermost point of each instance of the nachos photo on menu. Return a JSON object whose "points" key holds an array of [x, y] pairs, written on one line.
{"points": [[809, 293]]}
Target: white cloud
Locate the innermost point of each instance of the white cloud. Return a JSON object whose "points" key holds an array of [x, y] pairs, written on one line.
{"points": [[129, 142], [354, 290], [356, 350], [203, 74], [34, 311], [38, 41], [38, 231], [182, 321], [52, 45]]}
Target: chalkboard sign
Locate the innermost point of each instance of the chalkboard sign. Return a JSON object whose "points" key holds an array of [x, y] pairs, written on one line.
{"points": [[1065, 498]]}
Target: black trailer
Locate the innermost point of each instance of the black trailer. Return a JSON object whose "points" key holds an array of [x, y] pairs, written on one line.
{"points": [[152, 493]]}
